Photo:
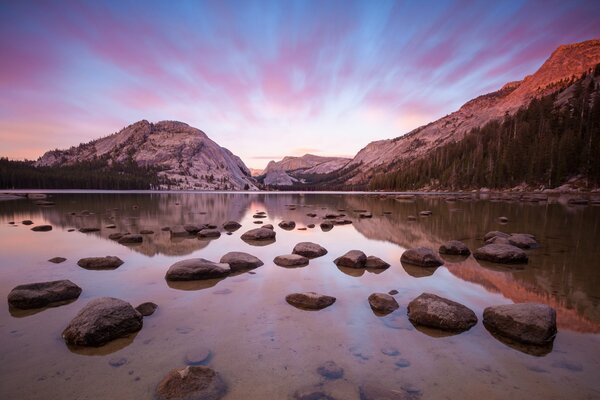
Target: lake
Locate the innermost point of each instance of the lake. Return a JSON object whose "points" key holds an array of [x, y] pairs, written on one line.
{"points": [[265, 348]]}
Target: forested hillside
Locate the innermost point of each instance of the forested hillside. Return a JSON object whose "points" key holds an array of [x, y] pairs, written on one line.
{"points": [[544, 144]]}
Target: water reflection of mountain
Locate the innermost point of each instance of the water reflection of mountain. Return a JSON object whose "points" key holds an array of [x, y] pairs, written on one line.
{"points": [[135, 212], [561, 273]]}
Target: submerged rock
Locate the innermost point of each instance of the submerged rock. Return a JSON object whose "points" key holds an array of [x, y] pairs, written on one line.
{"points": [[376, 263], [231, 226], [455, 247], [437, 312], [239, 261], [352, 259], [330, 370], [42, 228], [193, 382], [209, 233], [326, 226], [102, 320], [41, 294], [383, 303], [527, 323], [309, 250], [422, 257], [291, 260], [89, 229], [197, 356], [259, 234], [108, 262], [192, 229], [501, 253], [310, 300], [178, 231], [146, 309], [131, 239], [287, 225], [196, 269], [57, 260]]}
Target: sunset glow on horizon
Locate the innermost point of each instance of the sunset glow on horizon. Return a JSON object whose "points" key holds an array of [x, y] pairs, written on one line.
{"points": [[264, 79]]}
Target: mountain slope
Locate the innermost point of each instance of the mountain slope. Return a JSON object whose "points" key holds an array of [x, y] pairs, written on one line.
{"points": [[185, 156], [291, 170], [565, 63]]}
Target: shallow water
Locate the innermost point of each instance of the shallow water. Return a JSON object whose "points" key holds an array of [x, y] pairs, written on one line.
{"points": [[267, 349]]}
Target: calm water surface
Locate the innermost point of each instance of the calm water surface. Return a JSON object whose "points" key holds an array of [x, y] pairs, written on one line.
{"points": [[267, 349]]}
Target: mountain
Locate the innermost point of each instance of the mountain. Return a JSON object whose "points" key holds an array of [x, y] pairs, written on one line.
{"points": [[181, 157], [293, 170], [555, 74]]}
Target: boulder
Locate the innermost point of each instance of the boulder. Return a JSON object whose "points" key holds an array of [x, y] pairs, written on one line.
{"points": [[41, 294], [497, 240], [523, 241], [352, 259], [209, 233], [454, 247], [422, 257], [501, 253], [309, 250], [239, 261], [196, 269], [231, 226], [492, 234], [57, 260], [287, 225], [376, 263], [89, 229], [437, 312], [259, 234], [326, 226], [193, 382], [192, 229], [102, 320], [146, 309], [42, 228], [526, 323], [383, 303], [108, 262], [27, 222], [291, 260], [131, 239], [310, 300]]}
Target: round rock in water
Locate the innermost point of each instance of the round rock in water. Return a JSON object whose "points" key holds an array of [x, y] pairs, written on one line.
{"points": [[287, 225], [41, 294], [527, 323], [376, 263], [326, 226], [330, 370], [455, 247], [259, 234], [108, 262], [422, 257], [309, 250], [291, 260], [437, 312], [102, 320], [501, 253], [131, 239], [193, 382], [352, 259], [239, 261], [383, 303], [42, 228], [196, 269], [310, 300], [231, 226], [146, 309]]}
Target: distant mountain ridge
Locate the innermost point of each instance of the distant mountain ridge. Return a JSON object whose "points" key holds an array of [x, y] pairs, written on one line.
{"points": [[187, 159], [291, 170]]}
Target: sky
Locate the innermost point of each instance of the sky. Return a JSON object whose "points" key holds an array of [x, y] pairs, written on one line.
{"points": [[264, 79]]}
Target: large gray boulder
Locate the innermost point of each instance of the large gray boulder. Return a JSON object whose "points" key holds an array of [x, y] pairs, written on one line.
{"points": [[501, 253], [259, 234], [239, 261], [193, 382], [102, 320], [437, 312], [527, 323], [41, 294], [310, 300], [108, 262], [422, 257], [383, 303], [196, 269], [309, 250], [352, 259]]}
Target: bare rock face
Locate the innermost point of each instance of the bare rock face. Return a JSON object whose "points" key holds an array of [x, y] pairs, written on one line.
{"points": [[376, 263], [239, 261], [455, 247], [102, 320], [383, 303], [185, 155], [422, 257], [42, 294], [310, 300], [193, 382], [196, 269], [291, 260], [501, 253], [108, 262], [352, 259], [439, 313], [309, 250], [527, 323], [259, 234]]}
